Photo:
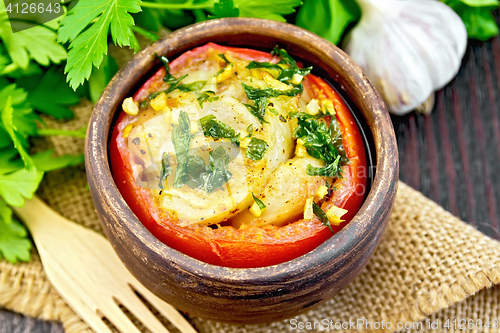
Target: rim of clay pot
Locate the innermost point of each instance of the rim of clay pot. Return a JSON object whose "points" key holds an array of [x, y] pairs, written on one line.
{"points": [[336, 65]]}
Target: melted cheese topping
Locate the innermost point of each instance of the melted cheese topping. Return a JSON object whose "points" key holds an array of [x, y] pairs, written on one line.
{"points": [[279, 178]]}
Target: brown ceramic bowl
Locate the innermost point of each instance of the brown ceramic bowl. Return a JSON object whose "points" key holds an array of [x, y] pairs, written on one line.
{"points": [[249, 295]]}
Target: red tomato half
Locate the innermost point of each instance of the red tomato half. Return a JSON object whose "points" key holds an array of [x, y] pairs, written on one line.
{"points": [[250, 246]]}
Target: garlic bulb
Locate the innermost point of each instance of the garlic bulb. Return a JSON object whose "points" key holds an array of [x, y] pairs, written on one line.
{"points": [[408, 48]]}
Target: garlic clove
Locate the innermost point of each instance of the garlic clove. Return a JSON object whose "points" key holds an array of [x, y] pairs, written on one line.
{"points": [[407, 48]]}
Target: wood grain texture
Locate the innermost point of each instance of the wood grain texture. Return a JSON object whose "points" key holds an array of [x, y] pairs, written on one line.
{"points": [[453, 155], [11, 322]]}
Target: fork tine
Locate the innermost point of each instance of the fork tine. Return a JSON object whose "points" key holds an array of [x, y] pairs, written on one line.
{"points": [[92, 319], [141, 312], [167, 310], [118, 318]]}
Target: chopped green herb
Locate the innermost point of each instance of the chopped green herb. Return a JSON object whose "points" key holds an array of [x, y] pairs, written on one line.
{"points": [[217, 173], [206, 96], [259, 202], [259, 97], [322, 142], [273, 111], [256, 149], [181, 138], [223, 57], [216, 129], [191, 169], [322, 216], [193, 86], [250, 130], [166, 169], [286, 72]]}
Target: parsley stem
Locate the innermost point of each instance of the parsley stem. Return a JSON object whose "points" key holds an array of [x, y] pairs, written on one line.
{"points": [[149, 35], [186, 5], [80, 133]]}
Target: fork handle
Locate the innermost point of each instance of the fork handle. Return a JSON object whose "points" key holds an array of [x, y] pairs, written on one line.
{"points": [[38, 217]]}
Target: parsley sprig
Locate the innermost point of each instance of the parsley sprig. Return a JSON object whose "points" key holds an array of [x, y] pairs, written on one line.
{"points": [[191, 169], [322, 142]]}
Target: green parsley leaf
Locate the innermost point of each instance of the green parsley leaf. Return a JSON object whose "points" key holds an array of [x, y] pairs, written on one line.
{"points": [[259, 202], [193, 86], [21, 184], [50, 94], [166, 169], [8, 125], [225, 8], [191, 169], [216, 174], [44, 161], [206, 96], [216, 129], [14, 245], [322, 216], [322, 142], [79, 133], [285, 73], [328, 18], [38, 43], [477, 17], [181, 138], [259, 97], [256, 149], [88, 46], [272, 10], [100, 77], [5, 212]]}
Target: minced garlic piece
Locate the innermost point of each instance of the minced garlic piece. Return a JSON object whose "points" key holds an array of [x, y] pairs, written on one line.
{"points": [[127, 130], [328, 107], [226, 74], [276, 84], [300, 150], [296, 79], [245, 142], [322, 191], [130, 106], [308, 209], [194, 126], [313, 107], [334, 214], [255, 210], [159, 102]]}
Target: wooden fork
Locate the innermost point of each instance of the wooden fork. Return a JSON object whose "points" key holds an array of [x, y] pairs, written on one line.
{"points": [[83, 267]]}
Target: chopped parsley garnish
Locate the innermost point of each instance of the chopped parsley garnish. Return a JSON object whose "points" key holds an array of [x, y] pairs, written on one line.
{"points": [[193, 86], [259, 97], [228, 63], [216, 129], [320, 213], [166, 169], [191, 169], [206, 96], [322, 142], [259, 202], [174, 83], [256, 149], [285, 72]]}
